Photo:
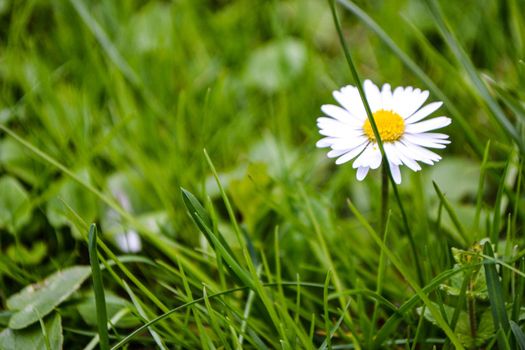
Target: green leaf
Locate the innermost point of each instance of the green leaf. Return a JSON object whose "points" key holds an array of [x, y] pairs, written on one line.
{"points": [[33, 255], [73, 195], [33, 337], [14, 158], [15, 208], [154, 20], [484, 331], [274, 66], [37, 300], [248, 193], [454, 176], [114, 304]]}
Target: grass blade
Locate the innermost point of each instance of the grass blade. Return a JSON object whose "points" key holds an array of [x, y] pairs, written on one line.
{"points": [[495, 291], [98, 288], [110, 49], [202, 221], [453, 216], [518, 333], [327, 341], [494, 232], [143, 314]]}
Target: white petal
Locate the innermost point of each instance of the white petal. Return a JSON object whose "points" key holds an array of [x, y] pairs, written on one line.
{"points": [[422, 154], [129, 242], [436, 135], [416, 101], [367, 157], [396, 173], [361, 173], [423, 112], [431, 124], [410, 102], [373, 95], [375, 158], [386, 97], [349, 98], [336, 153], [326, 123], [406, 157], [398, 94], [349, 143], [337, 113], [325, 142], [430, 137], [350, 155], [422, 141], [391, 153], [339, 132]]}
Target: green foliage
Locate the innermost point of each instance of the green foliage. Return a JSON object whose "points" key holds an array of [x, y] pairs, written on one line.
{"points": [[106, 107]]}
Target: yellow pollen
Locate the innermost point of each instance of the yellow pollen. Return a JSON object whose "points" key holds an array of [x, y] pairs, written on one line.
{"points": [[390, 125]]}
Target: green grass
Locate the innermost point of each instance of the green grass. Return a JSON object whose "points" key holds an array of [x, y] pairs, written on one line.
{"points": [[192, 123]]}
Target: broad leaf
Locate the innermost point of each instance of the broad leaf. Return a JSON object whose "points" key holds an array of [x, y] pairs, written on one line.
{"points": [[274, 66], [15, 209], [37, 300], [33, 337], [114, 304]]}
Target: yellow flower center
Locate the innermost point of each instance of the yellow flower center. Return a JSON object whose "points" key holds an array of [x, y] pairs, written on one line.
{"points": [[390, 125]]}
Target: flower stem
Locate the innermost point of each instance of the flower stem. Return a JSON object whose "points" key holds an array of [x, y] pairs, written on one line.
{"points": [[471, 308], [370, 116], [384, 198]]}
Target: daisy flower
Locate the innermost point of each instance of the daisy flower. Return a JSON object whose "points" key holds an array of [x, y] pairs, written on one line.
{"points": [[398, 115]]}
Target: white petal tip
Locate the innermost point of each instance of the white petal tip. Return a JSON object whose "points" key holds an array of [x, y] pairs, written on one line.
{"points": [[361, 173], [322, 144]]}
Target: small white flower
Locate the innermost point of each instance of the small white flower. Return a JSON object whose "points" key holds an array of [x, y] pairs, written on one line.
{"points": [[129, 241], [398, 116]]}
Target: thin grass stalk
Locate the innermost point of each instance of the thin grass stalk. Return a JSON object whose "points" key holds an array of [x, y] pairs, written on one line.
{"points": [[479, 195], [377, 136], [98, 288], [418, 329], [496, 298], [47, 343], [379, 282], [328, 340]]}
